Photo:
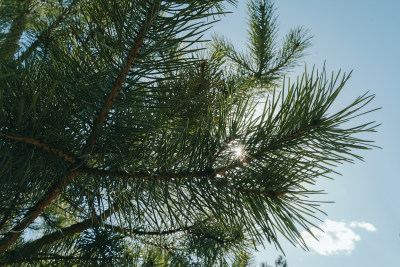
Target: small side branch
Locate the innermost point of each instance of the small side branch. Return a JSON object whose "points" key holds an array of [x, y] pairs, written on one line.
{"points": [[36, 143], [115, 89], [17, 27], [179, 175], [295, 134], [141, 232], [46, 33], [145, 175], [281, 64], [35, 211], [62, 233], [223, 170], [277, 144]]}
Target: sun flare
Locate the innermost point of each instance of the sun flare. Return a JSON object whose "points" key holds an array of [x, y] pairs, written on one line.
{"points": [[238, 151]]}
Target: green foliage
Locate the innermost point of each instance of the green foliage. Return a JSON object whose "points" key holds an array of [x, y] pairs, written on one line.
{"points": [[279, 262], [120, 133], [266, 61]]}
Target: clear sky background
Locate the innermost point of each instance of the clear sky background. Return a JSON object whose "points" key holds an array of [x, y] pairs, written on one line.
{"points": [[363, 225]]}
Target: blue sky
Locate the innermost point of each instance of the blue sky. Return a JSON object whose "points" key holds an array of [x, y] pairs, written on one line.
{"points": [[363, 225]]}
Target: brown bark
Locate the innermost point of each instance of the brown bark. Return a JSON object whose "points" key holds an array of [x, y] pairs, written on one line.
{"points": [[36, 143], [115, 89], [34, 212]]}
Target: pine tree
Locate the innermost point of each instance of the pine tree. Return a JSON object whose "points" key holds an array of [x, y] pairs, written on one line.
{"points": [[126, 139]]}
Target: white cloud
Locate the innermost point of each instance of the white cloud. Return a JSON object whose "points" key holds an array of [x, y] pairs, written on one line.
{"points": [[337, 237], [367, 226]]}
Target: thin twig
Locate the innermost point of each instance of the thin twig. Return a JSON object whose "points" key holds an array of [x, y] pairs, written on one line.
{"points": [[141, 232], [35, 211], [282, 63], [250, 158], [115, 89], [36, 143], [145, 175], [63, 233], [17, 27]]}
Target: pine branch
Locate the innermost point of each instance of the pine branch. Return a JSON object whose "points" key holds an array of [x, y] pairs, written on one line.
{"points": [[294, 45], [47, 33], [77, 228], [35, 211], [115, 89], [17, 27], [9, 211], [280, 142], [141, 232], [145, 175], [45, 147], [262, 33], [184, 173], [210, 172], [282, 63]]}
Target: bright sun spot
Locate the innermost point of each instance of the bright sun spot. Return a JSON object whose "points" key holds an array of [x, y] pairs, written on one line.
{"points": [[238, 151]]}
